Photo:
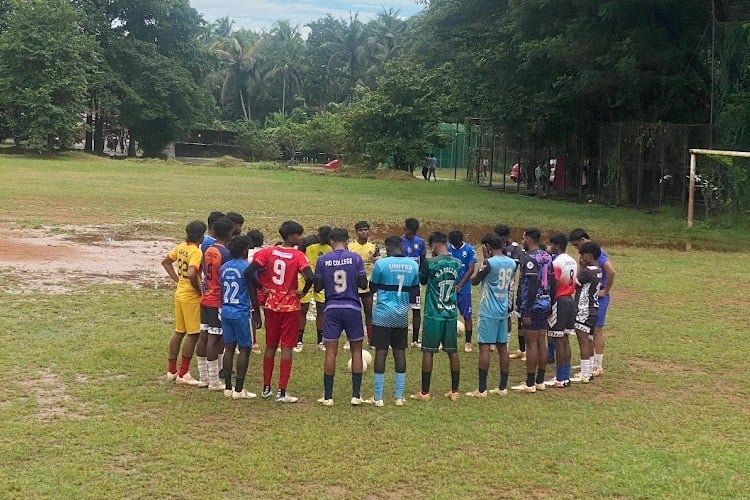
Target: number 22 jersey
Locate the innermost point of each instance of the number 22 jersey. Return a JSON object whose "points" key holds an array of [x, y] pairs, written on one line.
{"points": [[278, 270]]}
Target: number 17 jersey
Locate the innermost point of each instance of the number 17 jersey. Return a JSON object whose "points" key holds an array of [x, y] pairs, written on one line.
{"points": [[440, 274], [494, 300]]}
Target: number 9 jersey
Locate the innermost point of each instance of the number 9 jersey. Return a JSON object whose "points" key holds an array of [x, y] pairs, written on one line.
{"points": [[278, 268]]}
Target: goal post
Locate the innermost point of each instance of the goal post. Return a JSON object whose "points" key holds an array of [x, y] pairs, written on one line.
{"points": [[694, 153]]}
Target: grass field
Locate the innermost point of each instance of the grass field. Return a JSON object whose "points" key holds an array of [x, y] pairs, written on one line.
{"points": [[86, 411]]}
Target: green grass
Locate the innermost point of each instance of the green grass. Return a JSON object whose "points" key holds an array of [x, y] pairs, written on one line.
{"points": [[87, 413]]}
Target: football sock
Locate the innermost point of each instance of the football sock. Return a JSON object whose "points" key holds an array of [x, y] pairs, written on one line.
{"points": [[184, 366], [540, 376], [598, 360], [482, 380], [399, 385], [239, 385], [468, 336], [285, 371], [559, 373], [267, 370], [320, 336], [378, 381], [356, 385], [585, 367], [522, 343], [202, 368], [228, 380], [530, 379], [327, 386], [455, 376], [172, 365], [567, 371], [550, 351], [225, 365], [301, 335], [415, 336], [426, 379], [213, 372], [503, 380]]}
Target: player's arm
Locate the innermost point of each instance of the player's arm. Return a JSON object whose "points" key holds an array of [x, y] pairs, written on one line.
{"points": [[481, 274], [194, 278], [609, 273], [424, 272], [309, 280], [362, 281], [252, 274], [556, 275], [169, 268], [467, 276], [361, 274]]}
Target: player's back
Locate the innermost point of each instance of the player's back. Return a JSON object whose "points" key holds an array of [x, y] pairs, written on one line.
{"points": [[440, 274], [214, 257], [280, 268], [186, 255], [495, 290], [235, 291], [588, 283], [397, 280], [339, 271], [466, 255], [565, 268]]}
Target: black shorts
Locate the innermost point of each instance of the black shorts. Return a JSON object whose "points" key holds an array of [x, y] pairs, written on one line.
{"points": [[587, 326], [562, 318], [384, 337], [210, 319]]}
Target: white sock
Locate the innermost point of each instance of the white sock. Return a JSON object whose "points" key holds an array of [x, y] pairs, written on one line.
{"points": [[598, 359], [202, 369], [213, 372], [585, 367]]}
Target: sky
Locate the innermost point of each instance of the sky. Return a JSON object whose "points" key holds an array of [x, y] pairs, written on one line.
{"points": [[259, 14]]}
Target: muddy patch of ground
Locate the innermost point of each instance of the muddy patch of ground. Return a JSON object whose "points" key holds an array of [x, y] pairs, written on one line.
{"points": [[53, 401], [61, 259]]}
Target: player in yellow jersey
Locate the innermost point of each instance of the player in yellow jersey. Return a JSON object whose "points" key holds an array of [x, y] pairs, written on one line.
{"points": [[186, 257], [369, 252], [314, 246]]}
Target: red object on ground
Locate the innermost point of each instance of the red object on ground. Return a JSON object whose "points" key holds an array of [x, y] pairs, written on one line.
{"points": [[335, 164], [514, 171]]}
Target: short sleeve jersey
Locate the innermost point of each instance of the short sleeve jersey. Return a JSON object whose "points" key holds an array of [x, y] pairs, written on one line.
{"points": [[465, 253], [440, 274], [535, 263], [207, 242], [214, 257], [565, 268], [494, 299], [339, 272], [235, 290], [314, 249], [279, 267], [396, 280], [367, 251], [587, 293], [603, 259], [415, 248], [186, 255]]}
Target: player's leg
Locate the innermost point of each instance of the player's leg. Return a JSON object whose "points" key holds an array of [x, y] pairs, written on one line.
{"points": [[532, 359], [431, 333], [449, 342], [229, 336], [485, 336], [289, 328], [599, 337], [200, 349], [521, 352], [192, 317], [366, 299], [273, 337], [244, 342], [213, 346], [352, 323], [305, 304], [399, 342], [175, 342], [380, 340], [540, 322], [465, 309], [332, 328], [586, 349], [320, 317]]}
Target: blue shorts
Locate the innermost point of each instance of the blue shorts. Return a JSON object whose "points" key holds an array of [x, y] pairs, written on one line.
{"points": [[492, 330], [237, 331], [464, 304], [343, 319], [603, 305]]}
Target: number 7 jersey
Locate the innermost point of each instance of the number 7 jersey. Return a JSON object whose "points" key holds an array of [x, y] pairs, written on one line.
{"points": [[440, 274]]}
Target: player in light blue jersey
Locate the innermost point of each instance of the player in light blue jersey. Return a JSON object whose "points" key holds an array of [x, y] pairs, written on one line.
{"points": [[238, 301], [465, 253], [495, 277], [395, 278], [210, 237]]}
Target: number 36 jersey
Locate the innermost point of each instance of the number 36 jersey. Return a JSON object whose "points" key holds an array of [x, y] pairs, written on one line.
{"points": [[495, 297], [278, 270], [440, 274], [339, 272]]}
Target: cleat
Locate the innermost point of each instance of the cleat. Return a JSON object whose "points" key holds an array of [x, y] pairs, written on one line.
{"points": [[256, 349], [452, 395], [416, 345], [321, 346], [467, 347], [421, 397], [598, 372], [286, 399], [551, 382], [243, 395], [499, 392], [540, 387], [561, 384], [325, 402], [217, 387], [580, 379], [228, 393], [298, 348], [477, 394], [171, 376], [356, 401], [202, 384], [266, 393], [347, 346], [524, 388], [517, 355], [187, 379], [400, 402], [375, 402]]}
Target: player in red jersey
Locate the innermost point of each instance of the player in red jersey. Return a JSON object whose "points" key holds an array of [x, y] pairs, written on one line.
{"points": [[274, 270]]}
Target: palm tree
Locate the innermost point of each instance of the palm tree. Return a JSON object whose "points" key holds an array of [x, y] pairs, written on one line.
{"points": [[287, 54], [351, 54], [238, 57]]}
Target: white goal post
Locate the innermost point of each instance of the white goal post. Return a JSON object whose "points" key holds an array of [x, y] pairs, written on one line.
{"points": [[691, 189]]}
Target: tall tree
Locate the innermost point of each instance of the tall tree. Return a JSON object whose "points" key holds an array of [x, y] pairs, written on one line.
{"points": [[287, 56], [239, 62]]}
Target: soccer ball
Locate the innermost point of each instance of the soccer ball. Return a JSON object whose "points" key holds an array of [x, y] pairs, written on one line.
{"points": [[460, 328], [366, 361]]}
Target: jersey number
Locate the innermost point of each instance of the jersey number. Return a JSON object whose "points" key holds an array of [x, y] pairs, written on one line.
{"points": [[505, 278], [446, 290], [279, 270], [401, 278], [231, 291], [339, 281]]}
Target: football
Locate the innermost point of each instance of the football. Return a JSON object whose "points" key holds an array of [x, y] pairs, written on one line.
{"points": [[460, 328], [364, 362]]}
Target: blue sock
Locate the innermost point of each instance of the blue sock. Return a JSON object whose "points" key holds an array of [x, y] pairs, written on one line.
{"points": [[399, 386], [377, 385], [356, 384], [560, 372], [550, 350], [567, 371], [327, 386]]}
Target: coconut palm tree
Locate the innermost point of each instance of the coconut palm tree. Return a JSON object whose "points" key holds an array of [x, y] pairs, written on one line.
{"points": [[287, 57], [238, 57]]}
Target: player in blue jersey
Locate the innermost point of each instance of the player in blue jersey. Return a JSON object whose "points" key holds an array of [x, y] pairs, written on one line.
{"points": [[534, 307], [210, 237], [465, 253], [415, 248], [238, 302], [341, 274], [395, 278], [578, 237], [495, 277], [514, 251]]}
